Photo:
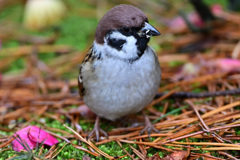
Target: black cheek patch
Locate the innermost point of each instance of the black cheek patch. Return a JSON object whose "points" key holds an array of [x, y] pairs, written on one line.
{"points": [[116, 43]]}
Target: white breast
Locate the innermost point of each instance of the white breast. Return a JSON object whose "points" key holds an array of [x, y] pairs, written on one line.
{"points": [[118, 88]]}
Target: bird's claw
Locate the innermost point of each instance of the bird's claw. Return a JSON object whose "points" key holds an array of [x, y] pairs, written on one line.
{"points": [[148, 127], [96, 131]]}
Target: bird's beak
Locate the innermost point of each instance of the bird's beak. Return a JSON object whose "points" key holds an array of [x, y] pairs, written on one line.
{"points": [[148, 31]]}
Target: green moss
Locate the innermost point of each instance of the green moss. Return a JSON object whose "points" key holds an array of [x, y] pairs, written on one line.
{"points": [[238, 132], [221, 2], [7, 154], [16, 66], [175, 63], [48, 57], [77, 31], [13, 13]]}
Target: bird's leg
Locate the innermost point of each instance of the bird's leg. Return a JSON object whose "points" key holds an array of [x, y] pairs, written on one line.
{"points": [[96, 130], [148, 127]]}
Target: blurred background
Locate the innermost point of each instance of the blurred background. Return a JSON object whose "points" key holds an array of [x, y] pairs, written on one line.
{"points": [[64, 29]]}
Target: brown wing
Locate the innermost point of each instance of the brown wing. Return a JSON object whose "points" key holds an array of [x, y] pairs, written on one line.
{"points": [[80, 82]]}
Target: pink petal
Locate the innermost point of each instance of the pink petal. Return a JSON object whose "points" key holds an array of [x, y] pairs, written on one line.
{"points": [[23, 134], [39, 135], [30, 136], [228, 65], [177, 23], [195, 19], [216, 9]]}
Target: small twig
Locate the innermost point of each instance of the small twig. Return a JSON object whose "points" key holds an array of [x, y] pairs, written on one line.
{"points": [[183, 95], [228, 155], [198, 115]]}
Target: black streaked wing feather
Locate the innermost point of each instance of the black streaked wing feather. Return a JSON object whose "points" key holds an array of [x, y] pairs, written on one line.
{"points": [[87, 58]]}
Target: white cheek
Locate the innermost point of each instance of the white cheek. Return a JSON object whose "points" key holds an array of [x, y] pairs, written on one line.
{"points": [[130, 45]]}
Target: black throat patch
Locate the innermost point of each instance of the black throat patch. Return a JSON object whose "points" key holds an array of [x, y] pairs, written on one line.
{"points": [[118, 43], [141, 41]]}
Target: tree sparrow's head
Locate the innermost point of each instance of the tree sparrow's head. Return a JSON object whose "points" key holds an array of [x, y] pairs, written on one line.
{"points": [[124, 31]]}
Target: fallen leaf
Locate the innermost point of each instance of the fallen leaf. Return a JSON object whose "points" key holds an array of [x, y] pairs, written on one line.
{"points": [[154, 157], [177, 155]]}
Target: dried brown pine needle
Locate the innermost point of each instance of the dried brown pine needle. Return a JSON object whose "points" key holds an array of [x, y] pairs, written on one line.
{"points": [[89, 143], [38, 92]]}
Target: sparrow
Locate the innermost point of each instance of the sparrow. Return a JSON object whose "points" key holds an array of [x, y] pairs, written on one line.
{"points": [[120, 74]]}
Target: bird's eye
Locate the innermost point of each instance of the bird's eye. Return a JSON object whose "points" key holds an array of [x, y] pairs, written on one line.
{"points": [[126, 29]]}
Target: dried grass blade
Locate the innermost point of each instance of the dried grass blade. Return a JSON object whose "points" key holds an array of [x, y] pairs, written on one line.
{"points": [[125, 150], [89, 143], [216, 149], [85, 150], [7, 143], [54, 155], [220, 109], [140, 155], [208, 144]]}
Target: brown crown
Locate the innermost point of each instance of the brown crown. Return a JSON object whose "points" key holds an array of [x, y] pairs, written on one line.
{"points": [[118, 17]]}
